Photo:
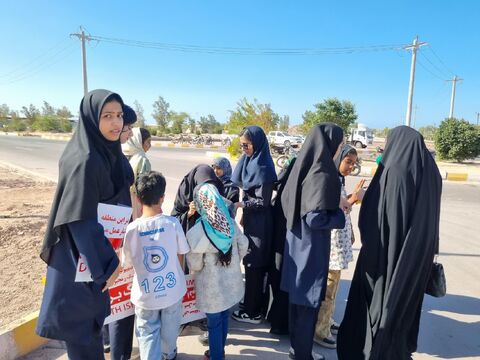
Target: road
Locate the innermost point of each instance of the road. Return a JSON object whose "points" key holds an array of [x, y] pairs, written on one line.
{"points": [[450, 326]]}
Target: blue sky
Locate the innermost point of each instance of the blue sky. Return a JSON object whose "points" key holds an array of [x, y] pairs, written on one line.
{"points": [[40, 62]]}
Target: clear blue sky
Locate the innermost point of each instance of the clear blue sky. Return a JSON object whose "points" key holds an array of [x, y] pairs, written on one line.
{"points": [[40, 62]]}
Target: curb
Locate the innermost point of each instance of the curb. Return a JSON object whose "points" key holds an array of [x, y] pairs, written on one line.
{"points": [[19, 338], [448, 176]]}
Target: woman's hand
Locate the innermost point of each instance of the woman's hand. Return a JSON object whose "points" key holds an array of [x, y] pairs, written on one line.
{"points": [[191, 209], [112, 278], [238, 205]]}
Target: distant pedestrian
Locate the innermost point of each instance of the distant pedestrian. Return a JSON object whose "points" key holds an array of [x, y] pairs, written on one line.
{"points": [[223, 169], [255, 175], [91, 171], [311, 202], [399, 228], [217, 247], [137, 147]]}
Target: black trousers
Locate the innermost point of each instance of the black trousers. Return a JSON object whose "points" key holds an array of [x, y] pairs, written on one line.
{"points": [[92, 351], [254, 299], [278, 314], [119, 335], [302, 329]]}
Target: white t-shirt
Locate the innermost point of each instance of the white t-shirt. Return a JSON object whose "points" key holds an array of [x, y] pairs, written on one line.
{"points": [[151, 246]]}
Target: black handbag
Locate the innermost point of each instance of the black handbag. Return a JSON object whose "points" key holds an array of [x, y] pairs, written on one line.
{"points": [[437, 284]]}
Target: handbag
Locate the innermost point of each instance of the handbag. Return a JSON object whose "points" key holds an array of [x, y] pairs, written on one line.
{"points": [[437, 284]]}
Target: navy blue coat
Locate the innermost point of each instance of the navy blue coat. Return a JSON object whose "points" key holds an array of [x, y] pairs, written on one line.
{"points": [[74, 311], [306, 256]]}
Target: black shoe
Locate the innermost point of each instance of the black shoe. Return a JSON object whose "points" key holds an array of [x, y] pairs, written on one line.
{"points": [[315, 355], [279, 331], [242, 316], [106, 349], [334, 328], [203, 339], [206, 355]]}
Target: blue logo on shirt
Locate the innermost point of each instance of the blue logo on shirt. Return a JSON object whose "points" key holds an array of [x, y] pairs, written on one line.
{"points": [[155, 258]]}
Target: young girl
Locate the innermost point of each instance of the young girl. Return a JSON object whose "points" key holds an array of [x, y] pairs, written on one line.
{"points": [[255, 174], [217, 246], [223, 170], [137, 147], [340, 251], [91, 172], [311, 203]]}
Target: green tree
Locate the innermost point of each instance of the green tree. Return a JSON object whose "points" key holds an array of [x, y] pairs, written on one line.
{"points": [[252, 113], [178, 121], [161, 113], [47, 109], [428, 132], [191, 125], [64, 113], [457, 140], [284, 123], [340, 112], [139, 111], [4, 111], [382, 133], [31, 113], [210, 125]]}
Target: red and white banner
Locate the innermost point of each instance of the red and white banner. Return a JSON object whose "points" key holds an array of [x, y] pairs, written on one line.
{"points": [[114, 220], [190, 312]]}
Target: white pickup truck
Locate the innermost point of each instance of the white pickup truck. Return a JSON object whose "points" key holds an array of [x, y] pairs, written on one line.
{"points": [[281, 138]]}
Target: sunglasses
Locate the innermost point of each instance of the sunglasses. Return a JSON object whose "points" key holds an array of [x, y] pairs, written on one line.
{"points": [[244, 145]]}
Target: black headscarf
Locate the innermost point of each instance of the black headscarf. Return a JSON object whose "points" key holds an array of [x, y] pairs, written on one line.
{"points": [[257, 169], [313, 183], [346, 148], [88, 167], [399, 227], [198, 175]]}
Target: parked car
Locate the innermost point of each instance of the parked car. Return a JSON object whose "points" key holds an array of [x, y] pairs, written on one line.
{"points": [[281, 138]]}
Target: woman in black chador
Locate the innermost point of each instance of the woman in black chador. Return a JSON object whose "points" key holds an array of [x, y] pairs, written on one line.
{"points": [[399, 222]]}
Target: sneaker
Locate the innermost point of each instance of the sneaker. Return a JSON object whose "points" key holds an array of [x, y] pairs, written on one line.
{"points": [[315, 355], [203, 339], [334, 328], [328, 342], [106, 349], [242, 316], [206, 355]]}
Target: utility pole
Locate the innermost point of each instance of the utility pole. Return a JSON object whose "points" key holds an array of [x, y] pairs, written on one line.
{"points": [[414, 48], [415, 117], [83, 38], [452, 100], [478, 116]]}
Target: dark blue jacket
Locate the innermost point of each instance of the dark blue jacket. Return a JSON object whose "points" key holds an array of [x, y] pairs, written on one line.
{"points": [[306, 256]]}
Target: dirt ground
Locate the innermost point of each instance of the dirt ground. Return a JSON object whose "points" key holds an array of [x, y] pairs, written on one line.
{"points": [[24, 207]]}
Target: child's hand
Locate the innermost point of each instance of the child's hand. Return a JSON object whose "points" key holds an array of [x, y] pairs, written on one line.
{"points": [[358, 192], [191, 209], [112, 278], [344, 205]]}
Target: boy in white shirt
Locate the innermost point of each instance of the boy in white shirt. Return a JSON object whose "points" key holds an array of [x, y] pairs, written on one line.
{"points": [[153, 245]]}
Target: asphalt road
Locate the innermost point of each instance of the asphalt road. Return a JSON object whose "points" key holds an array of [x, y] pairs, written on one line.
{"points": [[450, 326]]}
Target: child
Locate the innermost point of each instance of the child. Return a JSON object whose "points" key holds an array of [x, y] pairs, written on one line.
{"points": [[340, 252], [217, 245], [152, 243], [223, 170], [136, 148]]}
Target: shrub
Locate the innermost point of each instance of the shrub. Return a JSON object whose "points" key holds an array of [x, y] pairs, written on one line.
{"points": [[234, 147], [457, 140]]}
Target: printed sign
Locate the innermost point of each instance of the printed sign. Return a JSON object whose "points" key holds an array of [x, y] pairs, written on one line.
{"points": [[114, 220], [190, 312]]}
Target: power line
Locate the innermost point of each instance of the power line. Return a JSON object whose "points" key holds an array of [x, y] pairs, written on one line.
{"points": [[428, 70], [444, 74], [244, 51], [440, 60]]}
